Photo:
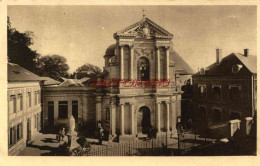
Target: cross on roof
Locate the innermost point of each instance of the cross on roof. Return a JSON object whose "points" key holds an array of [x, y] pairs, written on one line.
{"points": [[144, 15]]}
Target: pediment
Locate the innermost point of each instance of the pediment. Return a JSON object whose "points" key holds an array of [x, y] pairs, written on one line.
{"points": [[144, 28]]}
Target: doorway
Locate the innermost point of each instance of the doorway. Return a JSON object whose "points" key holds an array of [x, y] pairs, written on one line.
{"points": [[143, 120], [28, 140]]}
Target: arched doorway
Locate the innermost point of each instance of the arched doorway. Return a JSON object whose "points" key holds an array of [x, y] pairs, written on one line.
{"points": [[143, 120], [143, 71]]}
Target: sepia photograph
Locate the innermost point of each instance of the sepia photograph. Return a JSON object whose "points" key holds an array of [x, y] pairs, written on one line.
{"points": [[131, 80]]}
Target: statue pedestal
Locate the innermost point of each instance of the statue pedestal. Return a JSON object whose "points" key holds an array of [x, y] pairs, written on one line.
{"points": [[72, 139]]}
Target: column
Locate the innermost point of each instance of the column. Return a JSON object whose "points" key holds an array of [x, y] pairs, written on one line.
{"points": [[56, 110], [178, 106], [121, 62], [158, 117], [122, 125], [174, 117], [113, 118], [98, 108], [131, 62], [168, 117], [132, 118], [158, 63], [167, 63]]}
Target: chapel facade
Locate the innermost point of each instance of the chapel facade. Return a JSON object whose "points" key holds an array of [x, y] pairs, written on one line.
{"points": [[142, 52]]}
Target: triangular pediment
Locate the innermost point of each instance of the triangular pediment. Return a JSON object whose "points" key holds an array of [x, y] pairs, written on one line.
{"points": [[144, 28]]}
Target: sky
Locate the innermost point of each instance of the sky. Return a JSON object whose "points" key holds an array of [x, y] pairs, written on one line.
{"points": [[82, 33]]}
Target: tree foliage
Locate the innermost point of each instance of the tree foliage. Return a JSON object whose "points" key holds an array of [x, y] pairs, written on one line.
{"points": [[53, 66], [87, 70], [19, 50]]}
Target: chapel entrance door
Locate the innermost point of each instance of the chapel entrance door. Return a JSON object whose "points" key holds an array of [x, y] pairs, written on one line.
{"points": [[143, 120]]}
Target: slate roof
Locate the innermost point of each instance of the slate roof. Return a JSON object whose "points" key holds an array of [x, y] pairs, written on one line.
{"points": [[225, 65], [181, 66], [249, 62], [18, 73]]}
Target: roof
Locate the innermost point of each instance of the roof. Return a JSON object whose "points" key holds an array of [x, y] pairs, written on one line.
{"points": [[249, 62], [224, 68], [181, 66], [18, 73], [110, 50], [50, 81], [71, 82]]}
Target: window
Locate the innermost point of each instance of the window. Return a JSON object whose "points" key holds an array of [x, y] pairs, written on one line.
{"points": [[202, 71], [38, 122], [29, 99], [63, 109], [75, 110], [35, 121], [20, 101], [202, 90], [234, 93], [50, 113], [234, 115], [35, 97], [216, 115], [39, 97], [12, 136], [143, 71], [19, 131], [236, 68], [216, 91], [107, 114], [12, 104]]}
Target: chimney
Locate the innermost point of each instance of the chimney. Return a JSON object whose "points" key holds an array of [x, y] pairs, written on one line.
{"points": [[246, 52], [218, 55]]}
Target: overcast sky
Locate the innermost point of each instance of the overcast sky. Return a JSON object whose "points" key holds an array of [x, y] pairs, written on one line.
{"points": [[82, 33]]}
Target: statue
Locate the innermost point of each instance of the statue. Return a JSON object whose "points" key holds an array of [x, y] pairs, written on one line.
{"points": [[72, 135], [72, 124]]}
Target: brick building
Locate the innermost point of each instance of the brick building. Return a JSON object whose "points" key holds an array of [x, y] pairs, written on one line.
{"points": [[226, 90]]}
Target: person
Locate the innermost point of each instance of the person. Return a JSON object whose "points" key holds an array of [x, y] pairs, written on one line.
{"points": [[58, 135], [63, 133], [110, 137], [100, 134]]}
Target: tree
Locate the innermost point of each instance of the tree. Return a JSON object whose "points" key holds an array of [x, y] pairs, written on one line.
{"points": [[18, 49], [87, 70], [53, 66]]}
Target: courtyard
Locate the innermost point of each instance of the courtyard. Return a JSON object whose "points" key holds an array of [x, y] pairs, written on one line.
{"points": [[47, 145]]}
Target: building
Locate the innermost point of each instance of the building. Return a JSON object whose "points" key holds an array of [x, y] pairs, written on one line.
{"points": [[71, 97], [24, 107], [143, 53], [226, 90]]}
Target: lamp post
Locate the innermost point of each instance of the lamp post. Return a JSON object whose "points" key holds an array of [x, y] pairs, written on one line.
{"points": [[179, 130]]}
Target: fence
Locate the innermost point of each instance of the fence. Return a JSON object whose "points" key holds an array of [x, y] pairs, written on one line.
{"points": [[145, 147]]}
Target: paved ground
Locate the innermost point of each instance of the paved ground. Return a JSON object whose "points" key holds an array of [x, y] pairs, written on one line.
{"points": [[45, 144]]}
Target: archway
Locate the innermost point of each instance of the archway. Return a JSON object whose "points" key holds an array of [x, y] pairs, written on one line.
{"points": [[143, 120], [143, 71]]}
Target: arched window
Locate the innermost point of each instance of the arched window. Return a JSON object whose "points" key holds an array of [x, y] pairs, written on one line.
{"points": [[143, 72]]}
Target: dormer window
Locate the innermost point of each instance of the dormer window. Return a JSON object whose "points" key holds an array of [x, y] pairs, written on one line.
{"points": [[236, 68], [202, 71], [202, 89]]}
